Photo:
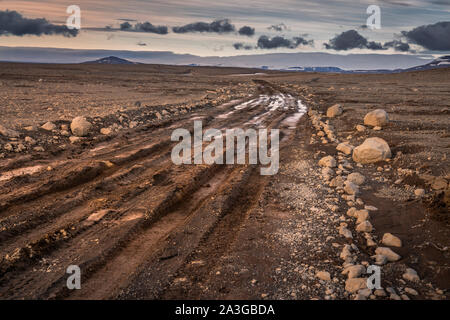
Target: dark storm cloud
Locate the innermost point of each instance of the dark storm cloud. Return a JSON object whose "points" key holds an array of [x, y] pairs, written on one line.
{"points": [[13, 23], [150, 28], [265, 42], [126, 26], [432, 37], [247, 31], [242, 46], [217, 26], [398, 45], [351, 39]]}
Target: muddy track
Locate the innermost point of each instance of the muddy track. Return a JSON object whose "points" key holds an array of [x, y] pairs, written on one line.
{"points": [[132, 220]]}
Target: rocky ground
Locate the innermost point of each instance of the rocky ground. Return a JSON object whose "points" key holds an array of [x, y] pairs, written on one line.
{"points": [[87, 179]]}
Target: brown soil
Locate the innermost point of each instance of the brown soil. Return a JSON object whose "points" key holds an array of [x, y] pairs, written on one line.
{"points": [[140, 227]]}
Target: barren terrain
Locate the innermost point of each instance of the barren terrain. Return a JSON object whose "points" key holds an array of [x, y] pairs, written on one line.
{"points": [[141, 227]]}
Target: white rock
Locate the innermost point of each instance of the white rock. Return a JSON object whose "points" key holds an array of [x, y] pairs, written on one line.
{"points": [[391, 241], [376, 118], [372, 150], [80, 126], [390, 255]]}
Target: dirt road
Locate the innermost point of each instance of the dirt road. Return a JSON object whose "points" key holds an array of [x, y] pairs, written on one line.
{"points": [[123, 208]]}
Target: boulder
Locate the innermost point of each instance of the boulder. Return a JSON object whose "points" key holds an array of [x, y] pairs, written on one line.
{"points": [[376, 118], [356, 178], [372, 150], [80, 126], [334, 111]]}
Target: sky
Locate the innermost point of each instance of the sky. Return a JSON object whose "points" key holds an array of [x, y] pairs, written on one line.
{"points": [[215, 28]]}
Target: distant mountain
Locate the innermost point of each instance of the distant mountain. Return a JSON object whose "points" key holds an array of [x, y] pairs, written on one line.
{"points": [[111, 60], [442, 62], [273, 61]]}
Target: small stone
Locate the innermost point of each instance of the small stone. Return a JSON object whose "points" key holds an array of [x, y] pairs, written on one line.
{"points": [[364, 226], [74, 139], [30, 140], [360, 128], [419, 192], [355, 284], [411, 275], [323, 275], [356, 178], [391, 241], [106, 131], [377, 128], [362, 215], [345, 148], [354, 271], [439, 184], [380, 259], [38, 149], [351, 188], [334, 111], [327, 161], [371, 208], [380, 293], [343, 231], [8, 132], [49, 126], [390, 255], [411, 291]]}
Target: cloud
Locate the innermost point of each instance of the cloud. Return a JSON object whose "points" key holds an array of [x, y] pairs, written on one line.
{"points": [[398, 45], [278, 27], [265, 42], [217, 26], [351, 39], [242, 46], [125, 26], [148, 27], [247, 31], [13, 23], [432, 37]]}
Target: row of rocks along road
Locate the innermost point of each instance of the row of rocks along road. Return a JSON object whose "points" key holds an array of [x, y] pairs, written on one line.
{"points": [[140, 227]]}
